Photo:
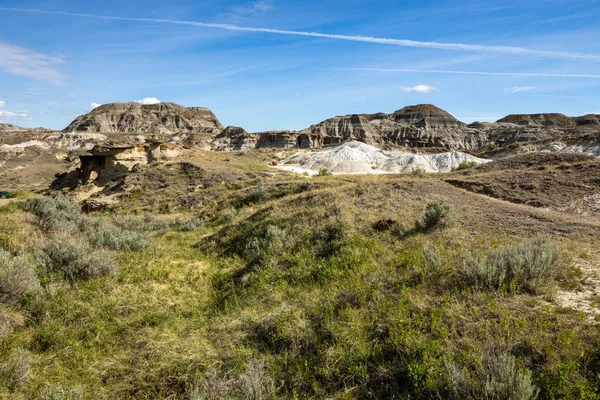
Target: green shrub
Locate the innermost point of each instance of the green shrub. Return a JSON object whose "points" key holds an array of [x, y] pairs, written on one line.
{"points": [[273, 239], [75, 259], [255, 383], [134, 223], [526, 266], [227, 215], [497, 379], [466, 165], [192, 224], [18, 277], [14, 370], [54, 214], [438, 215], [115, 238], [324, 172], [59, 393], [492, 146], [418, 173]]}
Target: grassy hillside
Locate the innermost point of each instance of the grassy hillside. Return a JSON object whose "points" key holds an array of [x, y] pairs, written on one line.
{"points": [[270, 285]]}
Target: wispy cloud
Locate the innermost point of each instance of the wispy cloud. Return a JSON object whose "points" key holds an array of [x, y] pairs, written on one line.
{"points": [[148, 100], [19, 61], [9, 115], [420, 89], [518, 89], [256, 8], [93, 106], [530, 74], [354, 38]]}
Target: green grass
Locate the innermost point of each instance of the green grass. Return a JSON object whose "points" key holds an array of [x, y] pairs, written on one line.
{"points": [[286, 290]]}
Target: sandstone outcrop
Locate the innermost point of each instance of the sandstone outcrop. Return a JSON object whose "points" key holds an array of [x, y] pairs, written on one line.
{"points": [[161, 118]]}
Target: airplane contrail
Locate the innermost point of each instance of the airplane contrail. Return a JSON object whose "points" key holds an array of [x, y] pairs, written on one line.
{"points": [[354, 38], [529, 74]]}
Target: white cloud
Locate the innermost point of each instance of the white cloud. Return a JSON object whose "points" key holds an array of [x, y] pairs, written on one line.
{"points": [[518, 89], [420, 89], [355, 38], [148, 100], [93, 106], [258, 7], [19, 61], [9, 115]]}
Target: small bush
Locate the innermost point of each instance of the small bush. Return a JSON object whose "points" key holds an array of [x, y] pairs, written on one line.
{"points": [[273, 239], [14, 371], [115, 238], [438, 215], [192, 224], [211, 387], [18, 277], [255, 383], [498, 379], [527, 266], [147, 223], [58, 393], [466, 165], [419, 173], [324, 172], [76, 259], [54, 214], [227, 215]]}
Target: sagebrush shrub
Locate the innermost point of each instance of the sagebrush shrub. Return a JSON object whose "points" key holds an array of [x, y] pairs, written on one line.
{"points": [[273, 239], [497, 379], [526, 266], [18, 277], [60, 393], [134, 223], [255, 383], [192, 224], [75, 259], [324, 172], [14, 370], [466, 165], [115, 238], [227, 215], [438, 215], [54, 214]]}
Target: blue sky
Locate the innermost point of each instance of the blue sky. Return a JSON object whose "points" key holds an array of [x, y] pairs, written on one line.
{"points": [[283, 64]]}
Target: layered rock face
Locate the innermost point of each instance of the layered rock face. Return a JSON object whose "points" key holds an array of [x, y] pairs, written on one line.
{"points": [[423, 125], [552, 120], [162, 118]]}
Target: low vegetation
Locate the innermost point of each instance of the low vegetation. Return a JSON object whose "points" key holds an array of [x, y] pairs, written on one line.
{"points": [[294, 288]]}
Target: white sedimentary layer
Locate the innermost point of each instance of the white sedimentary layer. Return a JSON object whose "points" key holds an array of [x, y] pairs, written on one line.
{"points": [[361, 158]]}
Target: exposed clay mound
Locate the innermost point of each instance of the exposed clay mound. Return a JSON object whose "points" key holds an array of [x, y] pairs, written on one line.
{"points": [[162, 118], [361, 158], [231, 131], [589, 119], [426, 116], [552, 119]]}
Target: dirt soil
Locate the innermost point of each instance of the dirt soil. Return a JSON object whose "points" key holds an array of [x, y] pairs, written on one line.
{"points": [[566, 182]]}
